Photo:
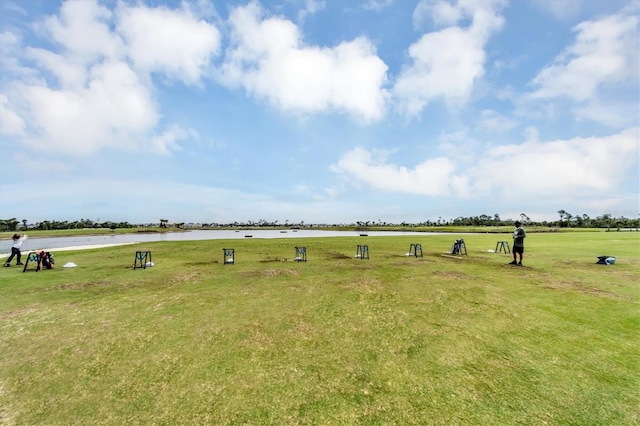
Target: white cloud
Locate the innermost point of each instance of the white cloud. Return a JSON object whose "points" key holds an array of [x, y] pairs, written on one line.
{"points": [[172, 42], [441, 12], [491, 120], [82, 28], [559, 9], [446, 63], [92, 90], [461, 145], [269, 59], [596, 78], [114, 110], [311, 7], [605, 52], [11, 48], [45, 164], [377, 5], [313, 193], [10, 123], [167, 142], [583, 167], [612, 113], [432, 177], [11, 6], [70, 73]]}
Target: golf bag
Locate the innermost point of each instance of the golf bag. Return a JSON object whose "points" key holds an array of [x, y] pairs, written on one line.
{"points": [[46, 260], [457, 247]]}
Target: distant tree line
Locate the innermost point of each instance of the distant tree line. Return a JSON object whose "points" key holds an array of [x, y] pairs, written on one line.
{"points": [[565, 220], [14, 225]]}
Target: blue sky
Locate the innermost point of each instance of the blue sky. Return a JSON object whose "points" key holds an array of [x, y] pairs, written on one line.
{"points": [[322, 111]]}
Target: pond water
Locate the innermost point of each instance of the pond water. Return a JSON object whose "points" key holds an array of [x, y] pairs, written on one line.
{"points": [[90, 240]]}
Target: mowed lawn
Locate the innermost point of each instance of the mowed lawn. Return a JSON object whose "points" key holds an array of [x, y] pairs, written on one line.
{"points": [[335, 340]]}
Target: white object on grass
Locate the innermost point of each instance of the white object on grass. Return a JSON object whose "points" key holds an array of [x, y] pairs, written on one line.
{"points": [[69, 265]]}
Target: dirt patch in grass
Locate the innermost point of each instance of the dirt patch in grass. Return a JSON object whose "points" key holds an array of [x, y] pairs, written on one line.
{"points": [[574, 286], [413, 262], [79, 286], [186, 277], [16, 313], [275, 259], [202, 263], [365, 285], [271, 272], [257, 338], [301, 329], [336, 255]]}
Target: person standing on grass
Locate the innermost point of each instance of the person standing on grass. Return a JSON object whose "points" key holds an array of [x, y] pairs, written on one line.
{"points": [[15, 249], [518, 243]]}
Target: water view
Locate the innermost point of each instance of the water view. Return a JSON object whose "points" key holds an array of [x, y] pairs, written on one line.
{"points": [[99, 240]]}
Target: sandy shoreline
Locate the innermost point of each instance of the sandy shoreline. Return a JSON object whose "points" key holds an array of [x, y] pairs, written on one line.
{"points": [[71, 248]]}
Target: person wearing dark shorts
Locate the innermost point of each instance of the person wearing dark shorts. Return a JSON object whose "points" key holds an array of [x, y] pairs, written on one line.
{"points": [[518, 243]]}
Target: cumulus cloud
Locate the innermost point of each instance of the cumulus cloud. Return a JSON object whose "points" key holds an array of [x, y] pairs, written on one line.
{"points": [[377, 5], [270, 60], [559, 9], [311, 7], [173, 42], [114, 109], [598, 73], [605, 51], [490, 120], [91, 89], [580, 166], [82, 28], [168, 140], [446, 63], [10, 123], [432, 177]]}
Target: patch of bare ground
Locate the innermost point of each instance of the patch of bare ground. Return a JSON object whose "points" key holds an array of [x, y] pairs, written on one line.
{"points": [[412, 262], [271, 272], [202, 263], [365, 285], [15, 313], [579, 287], [301, 329], [257, 338], [78, 286], [275, 259], [336, 255], [185, 277]]}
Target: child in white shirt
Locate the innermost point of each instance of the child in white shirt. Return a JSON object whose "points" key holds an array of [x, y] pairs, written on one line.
{"points": [[15, 249]]}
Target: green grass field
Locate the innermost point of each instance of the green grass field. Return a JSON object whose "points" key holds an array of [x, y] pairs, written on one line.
{"points": [[335, 340]]}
